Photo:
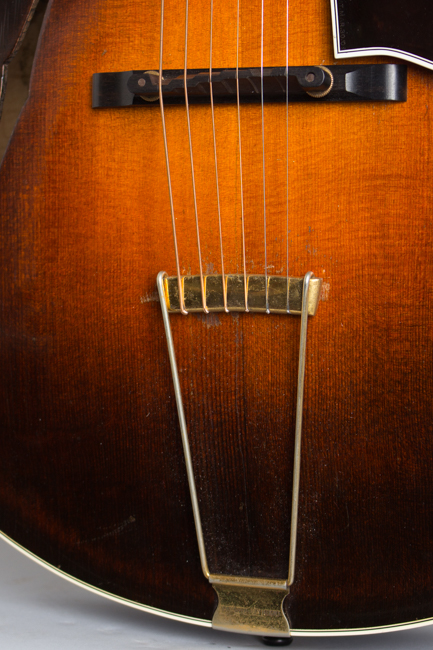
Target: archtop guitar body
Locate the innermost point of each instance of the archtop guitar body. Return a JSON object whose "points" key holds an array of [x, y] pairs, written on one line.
{"points": [[93, 479]]}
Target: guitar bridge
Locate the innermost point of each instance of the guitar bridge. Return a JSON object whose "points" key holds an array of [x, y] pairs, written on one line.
{"points": [[335, 83]]}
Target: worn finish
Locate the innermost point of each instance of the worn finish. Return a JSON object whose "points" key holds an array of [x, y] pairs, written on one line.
{"points": [[15, 16], [92, 477]]}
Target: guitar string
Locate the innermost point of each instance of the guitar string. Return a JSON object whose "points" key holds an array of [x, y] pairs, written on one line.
{"points": [[203, 296], [240, 159], [287, 150], [263, 150], [216, 161], [167, 164]]}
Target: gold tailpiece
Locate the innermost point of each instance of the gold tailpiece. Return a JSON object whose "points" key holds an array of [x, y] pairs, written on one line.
{"points": [[251, 610], [245, 604], [275, 294]]}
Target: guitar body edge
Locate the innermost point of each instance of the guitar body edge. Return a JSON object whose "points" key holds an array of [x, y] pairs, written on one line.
{"points": [[198, 621]]}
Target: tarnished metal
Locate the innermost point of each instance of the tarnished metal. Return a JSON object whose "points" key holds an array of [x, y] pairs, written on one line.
{"points": [[262, 291], [245, 604], [318, 94], [298, 426], [242, 581], [183, 427], [249, 610]]}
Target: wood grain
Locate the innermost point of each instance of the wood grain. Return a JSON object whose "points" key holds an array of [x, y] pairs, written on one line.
{"points": [[93, 478], [15, 17]]}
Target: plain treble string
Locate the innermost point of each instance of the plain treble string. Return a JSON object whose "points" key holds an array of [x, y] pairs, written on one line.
{"points": [[167, 164], [263, 152], [203, 296], [216, 161], [240, 160], [287, 149]]}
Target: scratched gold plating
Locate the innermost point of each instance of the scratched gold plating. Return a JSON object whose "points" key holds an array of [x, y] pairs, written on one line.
{"points": [[250, 610], [283, 295], [245, 604]]}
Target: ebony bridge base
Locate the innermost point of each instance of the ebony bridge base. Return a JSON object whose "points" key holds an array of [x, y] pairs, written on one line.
{"points": [[336, 83]]}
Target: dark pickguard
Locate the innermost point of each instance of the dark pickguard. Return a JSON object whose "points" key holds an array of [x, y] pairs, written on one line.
{"points": [[396, 27]]}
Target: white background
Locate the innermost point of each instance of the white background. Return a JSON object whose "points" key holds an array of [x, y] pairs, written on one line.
{"points": [[41, 610]]}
